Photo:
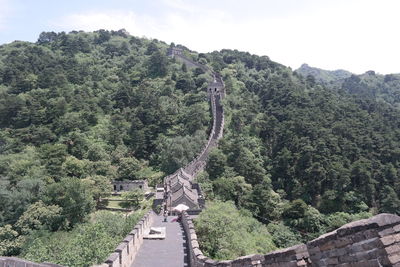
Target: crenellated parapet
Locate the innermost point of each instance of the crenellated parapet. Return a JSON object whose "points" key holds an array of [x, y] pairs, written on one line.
{"points": [[373, 242]]}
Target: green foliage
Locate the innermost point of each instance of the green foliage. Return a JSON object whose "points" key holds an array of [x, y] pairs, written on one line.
{"points": [[227, 233], [87, 244], [132, 199], [79, 110], [289, 134], [283, 236], [10, 241], [39, 216], [74, 196]]}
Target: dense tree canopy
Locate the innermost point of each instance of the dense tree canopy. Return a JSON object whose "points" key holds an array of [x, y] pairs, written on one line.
{"points": [[78, 110]]}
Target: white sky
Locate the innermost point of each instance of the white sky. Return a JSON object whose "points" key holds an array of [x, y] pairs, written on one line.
{"points": [[356, 35]]}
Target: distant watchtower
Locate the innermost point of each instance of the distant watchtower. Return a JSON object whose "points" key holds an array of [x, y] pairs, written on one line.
{"points": [[217, 87], [174, 51]]}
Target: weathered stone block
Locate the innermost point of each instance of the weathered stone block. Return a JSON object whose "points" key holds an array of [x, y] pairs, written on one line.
{"points": [[302, 263], [393, 249], [394, 258], [224, 264], [388, 240], [313, 250], [197, 252], [370, 263], [210, 262], [327, 246], [342, 242], [386, 232], [323, 239], [195, 244], [347, 258]]}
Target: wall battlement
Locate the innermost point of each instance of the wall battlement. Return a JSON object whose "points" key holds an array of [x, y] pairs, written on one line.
{"points": [[365, 243]]}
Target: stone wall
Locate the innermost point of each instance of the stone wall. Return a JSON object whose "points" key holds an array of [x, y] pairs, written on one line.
{"points": [[365, 243], [16, 262], [125, 252], [130, 185], [369, 242]]}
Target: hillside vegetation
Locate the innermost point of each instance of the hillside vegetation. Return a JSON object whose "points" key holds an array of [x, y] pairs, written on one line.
{"points": [[370, 85], [298, 155], [78, 110], [323, 76]]}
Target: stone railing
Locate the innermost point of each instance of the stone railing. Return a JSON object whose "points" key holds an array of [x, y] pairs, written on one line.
{"points": [[124, 254], [16, 262], [364, 243]]}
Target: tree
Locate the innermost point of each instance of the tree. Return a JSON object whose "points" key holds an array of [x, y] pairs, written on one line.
{"points": [[100, 186], [232, 188], [218, 235], [74, 196], [128, 168], [10, 241], [390, 202], [132, 199], [157, 66], [216, 164], [39, 216]]}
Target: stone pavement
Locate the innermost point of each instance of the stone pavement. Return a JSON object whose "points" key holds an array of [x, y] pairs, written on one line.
{"points": [[168, 252]]}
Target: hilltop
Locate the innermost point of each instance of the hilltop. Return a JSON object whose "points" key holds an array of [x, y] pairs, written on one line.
{"points": [[323, 76]]}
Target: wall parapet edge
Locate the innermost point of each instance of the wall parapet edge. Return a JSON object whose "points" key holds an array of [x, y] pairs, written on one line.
{"points": [[364, 243]]}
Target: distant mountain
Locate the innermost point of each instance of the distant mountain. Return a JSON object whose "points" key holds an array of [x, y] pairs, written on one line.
{"points": [[384, 88], [323, 76]]}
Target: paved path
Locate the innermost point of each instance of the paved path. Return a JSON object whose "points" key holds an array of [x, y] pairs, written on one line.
{"points": [[169, 252]]}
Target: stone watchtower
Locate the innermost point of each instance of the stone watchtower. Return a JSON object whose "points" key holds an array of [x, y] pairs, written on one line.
{"points": [[217, 87], [174, 51]]}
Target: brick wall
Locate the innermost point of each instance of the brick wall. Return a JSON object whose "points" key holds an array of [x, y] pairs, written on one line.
{"points": [[364, 243], [124, 254]]}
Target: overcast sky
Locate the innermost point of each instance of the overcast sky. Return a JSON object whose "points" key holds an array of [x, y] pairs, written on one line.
{"points": [[356, 35]]}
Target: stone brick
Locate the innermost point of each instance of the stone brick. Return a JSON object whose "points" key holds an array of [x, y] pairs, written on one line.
{"points": [[197, 252], [342, 242], [195, 244], [302, 263], [386, 232], [347, 258], [370, 234], [394, 258], [332, 261], [358, 237], [371, 263], [388, 240], [313, 250], [396, 228], [393, 249], [224, 264]]}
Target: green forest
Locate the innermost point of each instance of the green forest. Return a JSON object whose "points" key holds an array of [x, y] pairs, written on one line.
{"points": [[78, 110], [298, 158]]}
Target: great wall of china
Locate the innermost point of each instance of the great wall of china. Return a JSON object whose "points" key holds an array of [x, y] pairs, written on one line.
{"points": [[364, 243]]}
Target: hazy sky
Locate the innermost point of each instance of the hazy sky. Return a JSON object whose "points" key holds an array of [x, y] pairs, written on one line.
{"points": [[357, 35]]}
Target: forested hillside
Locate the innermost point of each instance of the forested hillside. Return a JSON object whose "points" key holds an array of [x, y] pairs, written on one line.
{"points": [[299, 153], [383, 88], [80, 109], [370, 85], [323, 76]]}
